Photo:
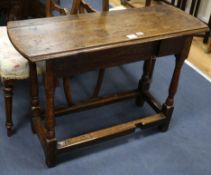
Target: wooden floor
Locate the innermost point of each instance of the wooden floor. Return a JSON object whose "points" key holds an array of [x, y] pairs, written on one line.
{"points": [[198, 55], [199, 58]]}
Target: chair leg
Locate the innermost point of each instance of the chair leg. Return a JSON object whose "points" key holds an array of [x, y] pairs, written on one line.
{"points": [[8, 92], [148, 3], [123, 2], [67, 90], [99, 82], [207, 35], [67, 87], [206, 38], [209, 46]]}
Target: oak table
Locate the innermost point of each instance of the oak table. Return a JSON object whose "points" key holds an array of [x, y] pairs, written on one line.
{"points": [[70, 45]]}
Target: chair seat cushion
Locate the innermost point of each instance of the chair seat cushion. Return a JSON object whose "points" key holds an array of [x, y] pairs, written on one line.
{"points": [[12, 64]]}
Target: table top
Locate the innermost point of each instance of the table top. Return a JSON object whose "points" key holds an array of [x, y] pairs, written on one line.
{"points": [[55, 37]]}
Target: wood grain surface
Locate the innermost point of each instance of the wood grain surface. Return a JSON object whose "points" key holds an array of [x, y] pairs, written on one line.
{"points": [[49, 38]]}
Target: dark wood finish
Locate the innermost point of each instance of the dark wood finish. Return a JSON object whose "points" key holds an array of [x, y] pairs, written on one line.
{"points": [[8, 93], [50, 120], [148, 3], [67, 90], [98, 41], [97, 101], [52, 5], [207, 35], [99, 82], [194, 9], [168, 106], [20, 9], [34, 94], [173, 2], [144, 83], [50, 49], [118, 130], [78, 6], [181, 4], [152, 101], [194, 6]]}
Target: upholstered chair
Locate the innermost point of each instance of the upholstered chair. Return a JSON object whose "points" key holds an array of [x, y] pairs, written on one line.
{"points": [[13, 67]]}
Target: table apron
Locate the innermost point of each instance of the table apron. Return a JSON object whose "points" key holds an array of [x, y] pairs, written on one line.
{"points": [[88, 61]]}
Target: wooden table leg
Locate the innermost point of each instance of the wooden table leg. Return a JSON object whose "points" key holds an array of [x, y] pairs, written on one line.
{"points": [[34, 95], [168, 106], [50, 118], [144, 83]]}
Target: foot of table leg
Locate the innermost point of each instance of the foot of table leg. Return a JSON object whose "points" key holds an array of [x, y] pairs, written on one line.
{"points": [[50, 157], [168, 111], [8, 92]]}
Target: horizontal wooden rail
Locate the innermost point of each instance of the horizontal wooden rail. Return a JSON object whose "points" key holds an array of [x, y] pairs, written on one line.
{"points": [[152, 102], [98, 101], [108, 133]]}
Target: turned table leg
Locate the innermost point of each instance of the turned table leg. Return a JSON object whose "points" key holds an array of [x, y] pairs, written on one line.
{"points": [[144, 83], [8, 92], [34, 96], [50, 118], [168, 106]]}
